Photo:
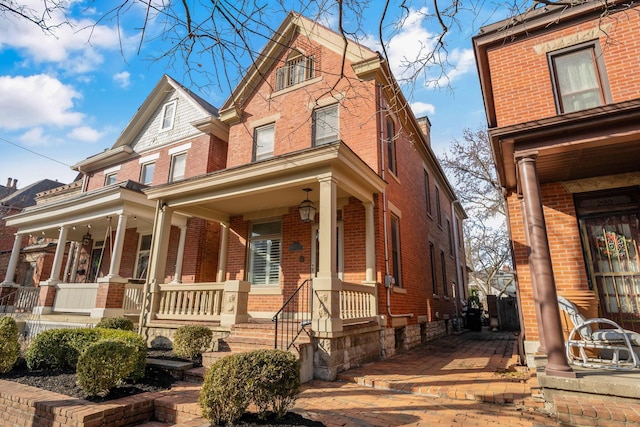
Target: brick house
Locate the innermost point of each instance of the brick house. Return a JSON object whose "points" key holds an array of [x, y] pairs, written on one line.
{"points": [[562, 98], [311, 190]]}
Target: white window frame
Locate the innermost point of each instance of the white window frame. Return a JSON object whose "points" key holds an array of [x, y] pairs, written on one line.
{"points": [[271, 265], [167, 120], [172, 170], [266, 151], [139, 254], [298, 69], [143, 174], [110, 178], [321, 124]]}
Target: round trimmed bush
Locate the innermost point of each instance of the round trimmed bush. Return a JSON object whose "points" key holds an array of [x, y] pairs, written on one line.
{"points": [[137, 343], [122, 323], [105, 365], [59, 349], [191, 341], [9, 346]]}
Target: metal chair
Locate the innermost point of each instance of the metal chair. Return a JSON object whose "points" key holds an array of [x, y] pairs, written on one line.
{"points": [[615, 348]]}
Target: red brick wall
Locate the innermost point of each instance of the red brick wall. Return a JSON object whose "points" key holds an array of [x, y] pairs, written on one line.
{"points": [[524, 93]]}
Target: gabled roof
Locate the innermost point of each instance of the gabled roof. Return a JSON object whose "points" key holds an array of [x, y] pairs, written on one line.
{"points": [[121, 148], [27, 196], [292, 24]]}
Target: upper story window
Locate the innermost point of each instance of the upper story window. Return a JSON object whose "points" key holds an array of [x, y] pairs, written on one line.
{"points": [[326, 125], [438, 210], [178, 166], [263, 138], [264, 253], [427, 192], [110, 178], [146, 172], [450, 237], [298, 69], [579, 78], [391, 145], [168, 115]]}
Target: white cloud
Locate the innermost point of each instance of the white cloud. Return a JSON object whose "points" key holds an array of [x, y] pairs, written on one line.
{"points": [[35, 101], [85, 134], [123, 79], [33, 137], [410, 46], [422, 108], [76, 48]]}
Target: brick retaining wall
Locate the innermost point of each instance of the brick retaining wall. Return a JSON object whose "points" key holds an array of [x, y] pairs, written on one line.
{"points": [[26, 406]]}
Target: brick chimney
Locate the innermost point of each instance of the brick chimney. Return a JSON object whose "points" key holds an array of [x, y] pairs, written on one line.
{"points": [[9, 182], [425, 126], [15, 184]]}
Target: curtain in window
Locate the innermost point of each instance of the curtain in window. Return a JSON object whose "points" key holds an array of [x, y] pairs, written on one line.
{"points": [[264, 142], [578, 81], [178, 167], [326, 125]]}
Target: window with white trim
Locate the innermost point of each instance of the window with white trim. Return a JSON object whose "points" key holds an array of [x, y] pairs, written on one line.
{"points": [[579, 78], [391, 146], [326, 125], [298, 69], [395, 250], [263, 141], [110, 178], [142, 260], [146, 173], [178, 167], [168, 115], [265, 245]]}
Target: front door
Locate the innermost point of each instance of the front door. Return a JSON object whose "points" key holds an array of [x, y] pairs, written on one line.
{"points": [[611, 243]]}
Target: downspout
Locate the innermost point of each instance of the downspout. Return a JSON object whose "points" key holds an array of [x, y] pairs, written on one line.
{"points": [[388, 279]]}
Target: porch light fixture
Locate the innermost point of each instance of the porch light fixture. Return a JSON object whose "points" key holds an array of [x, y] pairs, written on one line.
{"points": [[307, 209], [86, 239]]}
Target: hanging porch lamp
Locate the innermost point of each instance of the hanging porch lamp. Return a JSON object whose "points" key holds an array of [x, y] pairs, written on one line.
{"points": [[307, 209]]}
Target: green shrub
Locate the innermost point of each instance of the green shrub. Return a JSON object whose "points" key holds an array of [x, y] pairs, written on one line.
{"points": [[9, 346], [104, 365], [59, 348], [122, 323], [135, 341], [274, 381], [191, 341], [224, 395], [268, 378]]}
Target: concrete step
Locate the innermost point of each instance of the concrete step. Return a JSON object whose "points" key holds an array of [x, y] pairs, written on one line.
{"points": [[174, 368]]}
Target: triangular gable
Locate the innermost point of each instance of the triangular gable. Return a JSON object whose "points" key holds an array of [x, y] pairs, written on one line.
{"points": [[280, 41], [193, 116]]}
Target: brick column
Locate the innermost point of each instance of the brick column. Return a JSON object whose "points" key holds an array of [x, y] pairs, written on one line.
{"points": [[540, 260]]}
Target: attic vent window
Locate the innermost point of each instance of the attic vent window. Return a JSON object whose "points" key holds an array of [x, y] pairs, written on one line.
{"points": [[297, 70], [168, 115]]}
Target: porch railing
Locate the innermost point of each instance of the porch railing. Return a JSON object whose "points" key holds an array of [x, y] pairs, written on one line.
{"points": [[75, 297], [20, 300], [133, 298], [200, 301], [294, 317], [357, 303]]}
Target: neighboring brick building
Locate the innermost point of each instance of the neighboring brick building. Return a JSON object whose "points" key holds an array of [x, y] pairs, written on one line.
{"points": [[208, 207], [562, 97]]}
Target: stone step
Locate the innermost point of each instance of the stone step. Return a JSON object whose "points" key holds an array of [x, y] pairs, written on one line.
{"points": [[174, 368], [194, 375]]}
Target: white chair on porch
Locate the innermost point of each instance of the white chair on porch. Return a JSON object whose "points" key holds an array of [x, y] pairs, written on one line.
{"points": [[611, 346]]}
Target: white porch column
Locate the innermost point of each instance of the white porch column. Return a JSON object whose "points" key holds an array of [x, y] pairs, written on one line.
{"points": [[59, 255], [370, 237], [327, 286], [118, 245], [157, 259], [180, 256], [222, 255], [13, 261]]}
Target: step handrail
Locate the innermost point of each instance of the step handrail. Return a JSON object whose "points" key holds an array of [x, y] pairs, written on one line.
{"points": [[295, 316], [4, 301]]}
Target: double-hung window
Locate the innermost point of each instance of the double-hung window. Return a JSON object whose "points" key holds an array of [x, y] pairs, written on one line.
{"points": [[110, 178], [265, 245], [432, 261], [178, 166], [579, 78], [391, 146], [263, 141], [427, 193], [443, 267], [326, 125], [168, 115], [142, 262], [146, 173], [438, 210], [395, 250]]}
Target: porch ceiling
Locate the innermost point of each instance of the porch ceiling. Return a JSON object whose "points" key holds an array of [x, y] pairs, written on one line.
{"points": [[267, 186], [92, 212], [597, 142]]}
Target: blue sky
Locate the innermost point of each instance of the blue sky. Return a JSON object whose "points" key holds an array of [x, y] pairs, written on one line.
{"points": [[68, 96]]}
